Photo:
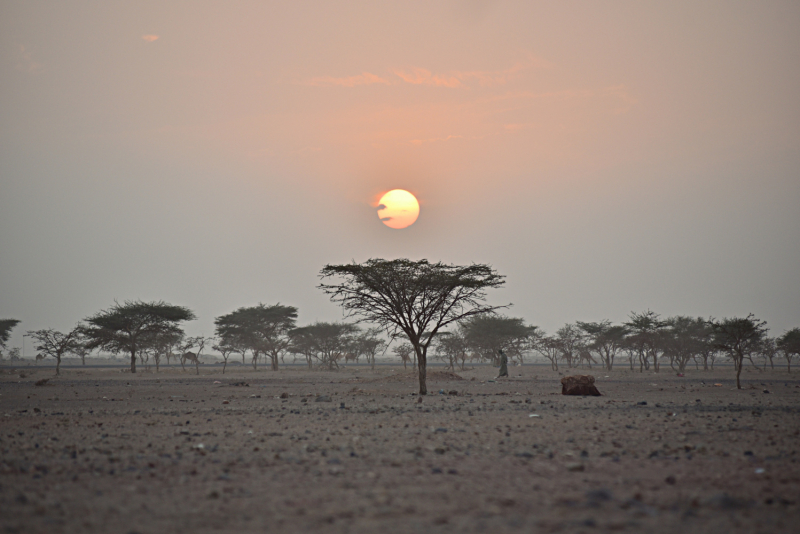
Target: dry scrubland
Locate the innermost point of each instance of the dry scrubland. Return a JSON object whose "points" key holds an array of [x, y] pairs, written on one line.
{"points": [[106, 451]]}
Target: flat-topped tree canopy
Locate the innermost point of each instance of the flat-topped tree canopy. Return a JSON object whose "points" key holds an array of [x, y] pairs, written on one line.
{"points": [[417, 298], [128, 327], [260, 329]]}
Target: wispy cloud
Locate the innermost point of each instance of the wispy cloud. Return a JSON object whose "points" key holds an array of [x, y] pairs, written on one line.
{"points": [[418, 76], [150, 37], [365, 78]]}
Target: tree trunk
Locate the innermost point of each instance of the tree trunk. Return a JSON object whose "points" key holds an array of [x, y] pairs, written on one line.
{"points": [[274, 358], [133, 360], [58, 363], [423, 365], [197, 363], [739, 362]]}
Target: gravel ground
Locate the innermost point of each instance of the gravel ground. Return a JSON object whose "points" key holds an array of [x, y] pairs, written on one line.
{"points": [[100, 450]]}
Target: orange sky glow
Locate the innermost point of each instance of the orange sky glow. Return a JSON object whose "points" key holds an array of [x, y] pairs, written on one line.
{"points": [[606, 157]]}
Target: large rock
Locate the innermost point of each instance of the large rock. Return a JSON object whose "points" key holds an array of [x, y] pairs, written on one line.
{"points": [[579, 385]]}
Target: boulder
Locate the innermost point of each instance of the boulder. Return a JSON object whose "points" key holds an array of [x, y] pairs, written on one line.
{"points": [[579, 385]]}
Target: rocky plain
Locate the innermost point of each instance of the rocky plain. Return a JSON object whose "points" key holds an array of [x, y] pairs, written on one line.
{"points": [[357, 450]]}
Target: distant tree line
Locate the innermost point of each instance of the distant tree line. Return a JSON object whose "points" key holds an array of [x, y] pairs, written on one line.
{"points": [[434, 306], [646, 341]]}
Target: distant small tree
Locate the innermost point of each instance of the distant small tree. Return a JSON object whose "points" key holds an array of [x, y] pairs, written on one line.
{"points": [[570, 342], [14, 354], [6, 326], [550, 348], [128, 327], [225, 350], [368, 344], [739, 338], [605, 339], [488, 334], [452, 348], [261, 329], [56, 344], [417, 298], [789, 344], [684, 339], [404, 352], [645, 336], [325, 341]]}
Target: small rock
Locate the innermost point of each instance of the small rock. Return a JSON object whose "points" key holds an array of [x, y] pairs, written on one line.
{"points": [[670, 480], [323, 398], [284, 395], [41, 382], [575, 467], [642, 403]]}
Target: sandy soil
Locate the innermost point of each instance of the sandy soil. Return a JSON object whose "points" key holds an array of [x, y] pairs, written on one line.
{"points": [[106, 451]]}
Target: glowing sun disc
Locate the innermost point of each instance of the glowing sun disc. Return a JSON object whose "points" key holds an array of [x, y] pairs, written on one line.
{"points": [[398, 209]]}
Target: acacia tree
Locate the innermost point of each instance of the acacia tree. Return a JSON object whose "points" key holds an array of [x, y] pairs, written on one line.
{"points": [[404, 351], [369, 344], [261, 329], [225, 349], [605, 339], [645, 332], [570, 341], [56, 344], [789, 344], [6, 326], [452, 348], [324, 341], [550, 348], [129, 327], [417, 298], [685, 339], [487, 334], [740, 338]]}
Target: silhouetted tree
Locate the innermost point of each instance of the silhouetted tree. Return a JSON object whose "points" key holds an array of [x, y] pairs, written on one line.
{"points": [[605, 339], [56, 344], [645, 331], [684, 339], [550, 348], [417, 298], [487, 334], [128, 327], [789, 344], [260, 329], [404, 352], [369, 344], [6, 326], [452, 348], [739, 338], [225, 350], [570, 342], [325, 341]]}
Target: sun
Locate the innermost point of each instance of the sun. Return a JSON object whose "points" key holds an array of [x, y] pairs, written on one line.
{"points": [[398, 209]]}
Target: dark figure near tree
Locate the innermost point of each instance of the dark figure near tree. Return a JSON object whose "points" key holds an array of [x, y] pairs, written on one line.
{"points": [[503, 364]]}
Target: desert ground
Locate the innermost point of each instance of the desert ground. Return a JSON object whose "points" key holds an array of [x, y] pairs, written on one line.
{"points": [[103, 450]]}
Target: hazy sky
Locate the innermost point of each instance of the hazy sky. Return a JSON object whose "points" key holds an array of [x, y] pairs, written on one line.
{"points": [[607, 157]]}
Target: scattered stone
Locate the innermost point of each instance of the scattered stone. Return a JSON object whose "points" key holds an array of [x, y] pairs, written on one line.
{"points": [[642, 403], [579, 385], [241, 384], [323, 398], [41, 382], [575, 467], [284, 395], [670, 480]]}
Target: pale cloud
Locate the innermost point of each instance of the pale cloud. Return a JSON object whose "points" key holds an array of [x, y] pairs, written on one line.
{"points": [[485, 78], [419, 76], [365, 78], [150, 37]]}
